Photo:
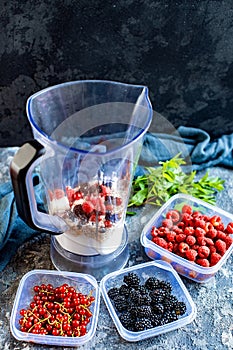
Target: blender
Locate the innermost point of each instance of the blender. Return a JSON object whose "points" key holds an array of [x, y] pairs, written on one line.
{"points": [[87, 141]]}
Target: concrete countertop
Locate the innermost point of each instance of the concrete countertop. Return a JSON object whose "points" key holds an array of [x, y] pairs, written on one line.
{"points": [[211, 330]]}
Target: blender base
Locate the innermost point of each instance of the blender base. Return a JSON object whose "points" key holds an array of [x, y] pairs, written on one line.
{"points": [[95, 265]]}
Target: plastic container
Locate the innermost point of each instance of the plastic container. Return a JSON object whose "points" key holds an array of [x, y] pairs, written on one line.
{"points": [[81, 282], [184, 267], [162, 271]]}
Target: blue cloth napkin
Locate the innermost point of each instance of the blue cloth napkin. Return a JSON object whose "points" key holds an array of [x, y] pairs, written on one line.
{"points": [[190, 142], [13, 230]]}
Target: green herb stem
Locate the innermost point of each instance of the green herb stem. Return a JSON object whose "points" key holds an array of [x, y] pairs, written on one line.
{"points": [[160, 183]]}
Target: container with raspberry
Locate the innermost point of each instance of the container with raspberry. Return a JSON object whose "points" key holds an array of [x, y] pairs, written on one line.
{"points": [[192, 235]]}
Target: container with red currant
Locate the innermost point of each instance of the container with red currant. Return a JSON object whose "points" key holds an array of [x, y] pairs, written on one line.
{"points": [[196, 238], [55, 308]]}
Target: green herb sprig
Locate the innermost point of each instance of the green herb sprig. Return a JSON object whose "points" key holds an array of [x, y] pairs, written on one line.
{"points": [[160, 183]]}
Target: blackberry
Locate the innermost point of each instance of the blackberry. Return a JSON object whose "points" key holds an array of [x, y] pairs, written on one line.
{"points": [[144, 299], [143, 306], [134, 296], [155, 320], [158, 309], [144, 311], [132, 309], [113, 293], [168, 317], [132, 280], [78, 211], [158, 295], [170, 302], [124, 290], [120, 303], [165, 286], [152, 283], [142, 324], [127, 320], [142, 289], [180, 308]]}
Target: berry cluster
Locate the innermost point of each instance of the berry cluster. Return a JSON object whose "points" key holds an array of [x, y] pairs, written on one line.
{"points": [[92, 203], [60, 311], [196, 237], [144, 306]]}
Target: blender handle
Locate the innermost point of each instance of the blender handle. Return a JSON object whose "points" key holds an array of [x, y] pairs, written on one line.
{"points": [[27, 154]]}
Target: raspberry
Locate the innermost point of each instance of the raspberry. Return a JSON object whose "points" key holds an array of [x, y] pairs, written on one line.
{"points": [[190, 240], [70, 192], [87, 207], [201, 241], [212, 233], [187, 219], [200, 223], [160, 241], [170, 246], [220, 246], [209, 241], [180, 225], [154, 231], [189, 230], [203, 262], [199, 232], [167, 223], [107, 223], [203, 252], [171, 236], [221, 235], [187, 209], [228, 241], [173, 215], [180, 237], [214, 259], [76, 195], [191, 254], [212, 249], [163, 231], [229, 228], [177, 229], [183, 247], [195, 247], [215, 220], [196, 214], [208, 226]]}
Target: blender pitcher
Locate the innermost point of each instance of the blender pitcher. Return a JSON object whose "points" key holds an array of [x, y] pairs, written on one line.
{"points": [[87, 140]]}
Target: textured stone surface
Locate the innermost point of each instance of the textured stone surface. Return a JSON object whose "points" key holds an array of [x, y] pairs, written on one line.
{"points": [[211, 330], [182, 50]]}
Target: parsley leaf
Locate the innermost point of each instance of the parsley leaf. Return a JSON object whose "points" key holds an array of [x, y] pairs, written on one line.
{"points": [[162, 182]]}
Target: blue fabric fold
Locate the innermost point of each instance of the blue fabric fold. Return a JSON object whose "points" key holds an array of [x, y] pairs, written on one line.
{"points": [[189, 142]]}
